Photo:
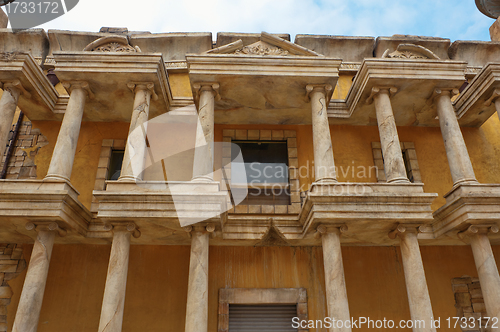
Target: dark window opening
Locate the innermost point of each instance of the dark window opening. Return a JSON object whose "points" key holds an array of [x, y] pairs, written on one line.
{"points": [[115, 165], [265, 318], [406, 159], [266, 166]]}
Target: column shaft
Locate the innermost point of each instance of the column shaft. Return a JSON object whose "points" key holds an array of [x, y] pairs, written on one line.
{"points": [[8, 104], [197, 299], [203, 155], [63, 156], [135, 150], [394, 165], [456, 151], [30, 303], [416, 284], [488, 273], [336, 294], [116, 281], [324, 164]]}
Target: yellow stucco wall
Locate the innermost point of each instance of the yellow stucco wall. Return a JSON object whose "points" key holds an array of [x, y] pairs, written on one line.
{"points": [[87, 154], [351, 146], [157, 282]]}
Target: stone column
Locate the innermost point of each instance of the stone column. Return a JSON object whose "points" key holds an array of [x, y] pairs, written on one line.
{"points": [[324, 164], [8, 104], [456, 151], [203, 155], [394, 166], [30, 303], [197, 299], [135, 150], [487, 270], [497, 106], [116, 280], [416, 284], [63, 156], [336, 294]]}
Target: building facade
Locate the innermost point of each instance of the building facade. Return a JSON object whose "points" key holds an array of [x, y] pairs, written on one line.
{"points": [[121, 205]]}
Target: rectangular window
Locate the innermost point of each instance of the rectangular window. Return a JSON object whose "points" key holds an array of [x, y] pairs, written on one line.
{"points": [[409, 157], [268, 317], [115, 164], [266, 167], [261, 309], [271, 161]]}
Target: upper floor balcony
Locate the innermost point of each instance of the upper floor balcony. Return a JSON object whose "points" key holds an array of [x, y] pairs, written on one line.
{"points": [[352, 130]]}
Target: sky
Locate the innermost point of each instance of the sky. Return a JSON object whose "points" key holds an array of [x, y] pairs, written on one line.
{"points": [[453, 19]]}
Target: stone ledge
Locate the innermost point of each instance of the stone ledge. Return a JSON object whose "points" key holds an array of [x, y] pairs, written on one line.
{"points": [[468, 204], [160, 204], [368, 209], [37, 200]]}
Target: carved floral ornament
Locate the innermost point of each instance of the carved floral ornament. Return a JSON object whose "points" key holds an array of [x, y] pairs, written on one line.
{"points": [[116, 44], [411, 51], [261, 48]]}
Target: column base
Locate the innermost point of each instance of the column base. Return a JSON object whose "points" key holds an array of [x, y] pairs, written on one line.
{"points": [[203, 179], [326, 181], [399, 180], [56, 177], [465, 181], [128, 178]]}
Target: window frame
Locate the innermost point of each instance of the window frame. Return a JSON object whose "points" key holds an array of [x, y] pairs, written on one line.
{"points": [[107, 147], [290, 136], [256, 296], [411, 162]]}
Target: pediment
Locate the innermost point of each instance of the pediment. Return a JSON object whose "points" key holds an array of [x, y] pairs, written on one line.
{"points": [[268, 45]]}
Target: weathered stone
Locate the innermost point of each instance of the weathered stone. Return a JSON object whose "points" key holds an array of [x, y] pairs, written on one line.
{"points": [[114, 292], [463, 299]]}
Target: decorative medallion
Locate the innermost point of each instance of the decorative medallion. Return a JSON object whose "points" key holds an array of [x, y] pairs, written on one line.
{"points": [[114, 47], [411, 51], [115, 44], [406, 55], [260, 48]]}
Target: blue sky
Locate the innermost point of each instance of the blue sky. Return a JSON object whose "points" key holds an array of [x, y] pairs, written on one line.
{"points": [[457, 20]]}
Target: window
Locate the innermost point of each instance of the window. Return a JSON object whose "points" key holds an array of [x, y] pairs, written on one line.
{"points": [[261, 309], [271, 163], [115, 165], [266, 166], [271, 317], [110, 161], [409, 158]]}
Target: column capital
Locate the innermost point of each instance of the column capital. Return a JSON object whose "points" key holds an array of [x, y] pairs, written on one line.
{"points": [[45, 226], [494, 96], [147, 86], [83, 85], [209, 228], [207, 86], [480, 229], [438, 92], [123, 227], [327, 89], [404, 229], [380, 89], [16, 84], [335, 228]]}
